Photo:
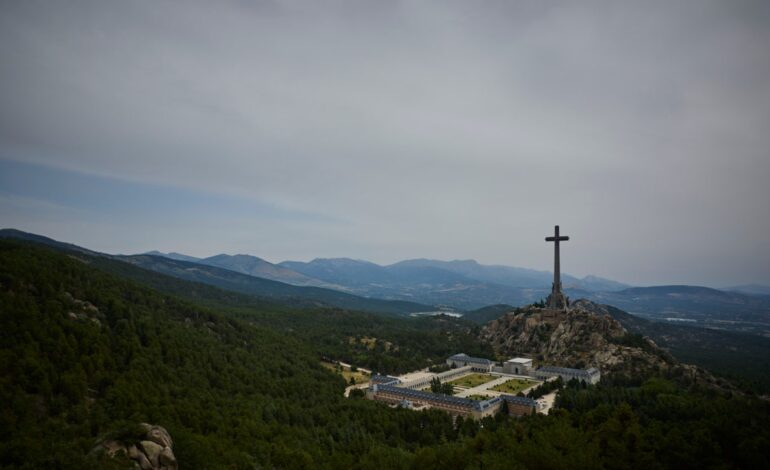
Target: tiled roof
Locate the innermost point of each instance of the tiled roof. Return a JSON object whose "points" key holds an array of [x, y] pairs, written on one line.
{"points": [[417, 395], [519, 400], [435, 397], [466, 358], [520, 360], [383, 379], [568, 371]]}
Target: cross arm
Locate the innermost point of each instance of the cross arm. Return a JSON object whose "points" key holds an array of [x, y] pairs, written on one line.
{"points": [[554, 239]]}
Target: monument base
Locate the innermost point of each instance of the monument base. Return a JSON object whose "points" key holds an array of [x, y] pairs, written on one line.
{"points": [[557, 300]]}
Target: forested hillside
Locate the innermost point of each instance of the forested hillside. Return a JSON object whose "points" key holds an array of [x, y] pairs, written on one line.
{"points": [[391, 344], [85, 354]]}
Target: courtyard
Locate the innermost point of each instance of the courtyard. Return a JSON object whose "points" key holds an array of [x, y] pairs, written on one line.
{"points": [[472, 380], [514, 386]]}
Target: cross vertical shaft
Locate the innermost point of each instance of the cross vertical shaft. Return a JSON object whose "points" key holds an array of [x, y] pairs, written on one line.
{"points": [[556, 300], [556, 263]]}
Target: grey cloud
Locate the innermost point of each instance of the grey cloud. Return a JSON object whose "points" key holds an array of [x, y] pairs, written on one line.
{"points": [[432, 128]]}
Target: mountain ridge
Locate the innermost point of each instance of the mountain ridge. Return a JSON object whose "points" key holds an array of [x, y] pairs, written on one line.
{"points": [[751, 289], [265, 289], [258, 267], [173, 255]]}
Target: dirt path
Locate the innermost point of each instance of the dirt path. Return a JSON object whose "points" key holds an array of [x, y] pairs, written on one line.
{"points": [[366, 371]]}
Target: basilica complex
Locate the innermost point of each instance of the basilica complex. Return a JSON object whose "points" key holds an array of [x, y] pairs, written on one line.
{"points": [[413, 390]]}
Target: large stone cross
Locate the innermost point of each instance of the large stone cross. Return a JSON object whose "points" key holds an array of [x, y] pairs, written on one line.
{"points": [[556, 300]]}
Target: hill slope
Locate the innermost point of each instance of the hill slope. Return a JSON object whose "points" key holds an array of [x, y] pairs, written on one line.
{"points": [[586, 337], [12, 233], [487, 314], [741, 357], [83, 354]]}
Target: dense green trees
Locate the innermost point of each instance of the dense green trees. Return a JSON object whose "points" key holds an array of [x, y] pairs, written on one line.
{"points": [[401, 344], [239, 385], [546, 388], [83, 352], [436, 386]]}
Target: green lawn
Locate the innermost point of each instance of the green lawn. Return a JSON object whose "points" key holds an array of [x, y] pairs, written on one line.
{"points": [[513, 386], [479, 397], [473, 380]]}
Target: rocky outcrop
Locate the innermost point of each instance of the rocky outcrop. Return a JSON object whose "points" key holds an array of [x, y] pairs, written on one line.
{"points": [[82, 310], [151, 450], [586, 336]]}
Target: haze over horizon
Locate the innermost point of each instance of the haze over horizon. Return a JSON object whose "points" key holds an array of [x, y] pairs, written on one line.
{"points": [[291, 130]]}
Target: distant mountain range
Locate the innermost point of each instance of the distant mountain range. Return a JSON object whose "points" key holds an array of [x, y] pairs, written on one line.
{"points": [[254, 266], [420, 285], [456, 284], [752, 289], [360, 273], [513, 276], [174, 255], [269, 290], [303, 296], [701, 306]]}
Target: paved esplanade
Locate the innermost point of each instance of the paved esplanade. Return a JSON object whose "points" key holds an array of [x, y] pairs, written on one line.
{"points": [[556, 300]]}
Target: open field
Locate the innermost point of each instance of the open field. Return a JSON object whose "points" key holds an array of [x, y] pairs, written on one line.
{"points": [[473, 380], [514, 386], [345, 372]]}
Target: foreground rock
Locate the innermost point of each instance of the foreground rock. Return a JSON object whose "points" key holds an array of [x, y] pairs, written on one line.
{"points": [[151, 449]]}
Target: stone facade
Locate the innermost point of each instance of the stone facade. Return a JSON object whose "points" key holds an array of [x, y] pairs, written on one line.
{"points": [[518, 366], [589, 376], [519, 406], [465, 407], [477, 363]]}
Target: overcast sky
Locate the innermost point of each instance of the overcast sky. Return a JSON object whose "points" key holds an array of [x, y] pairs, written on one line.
{"points": [[389, 130]]}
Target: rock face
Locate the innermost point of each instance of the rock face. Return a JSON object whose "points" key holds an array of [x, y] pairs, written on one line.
{"points": [[586, 336], [82, 310], [158, 435], [152, 452]]}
